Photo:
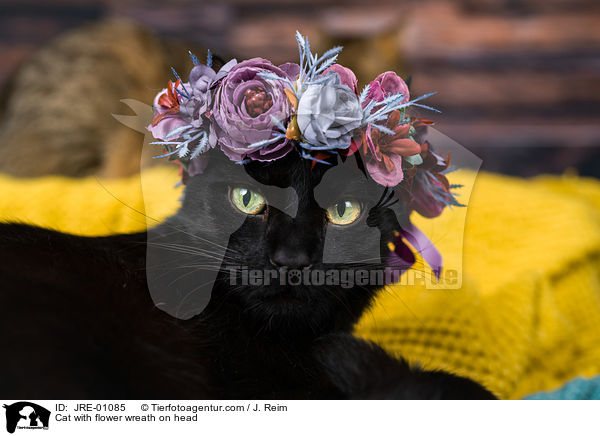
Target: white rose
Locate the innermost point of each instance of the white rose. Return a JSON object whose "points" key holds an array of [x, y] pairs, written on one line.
{"points": [[328, 112]]}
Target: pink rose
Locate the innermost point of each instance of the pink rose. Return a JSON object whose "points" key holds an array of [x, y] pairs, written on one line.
{"points": [[347, 77], [386, 84]]}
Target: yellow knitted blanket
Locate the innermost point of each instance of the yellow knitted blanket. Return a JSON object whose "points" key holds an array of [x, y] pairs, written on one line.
{"points": [[527, 317]]}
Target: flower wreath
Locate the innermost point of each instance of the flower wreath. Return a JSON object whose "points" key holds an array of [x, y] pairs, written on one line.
{"points": [[254, 110]]}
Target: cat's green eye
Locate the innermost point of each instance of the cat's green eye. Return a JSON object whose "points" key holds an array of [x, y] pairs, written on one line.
{"points": [[344, 212], [248, 201]]}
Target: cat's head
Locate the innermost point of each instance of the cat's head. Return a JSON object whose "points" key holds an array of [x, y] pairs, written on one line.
{"points": [[294, 217], [290, 243]]}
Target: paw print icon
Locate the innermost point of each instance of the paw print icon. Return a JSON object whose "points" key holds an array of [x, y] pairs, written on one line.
{"points": [[294, 277]]}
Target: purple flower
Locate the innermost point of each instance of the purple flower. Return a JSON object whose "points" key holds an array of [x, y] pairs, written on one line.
{"points": [[194, 107], [243, 108], [201, 79], [423, 201], [428, 189], [401, 256], [181, 104]]}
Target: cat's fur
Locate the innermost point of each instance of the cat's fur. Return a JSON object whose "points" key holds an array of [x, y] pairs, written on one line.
{"points": [[78, 320]]}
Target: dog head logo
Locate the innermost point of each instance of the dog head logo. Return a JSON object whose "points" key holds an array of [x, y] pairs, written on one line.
{"points": [[26, 415]]}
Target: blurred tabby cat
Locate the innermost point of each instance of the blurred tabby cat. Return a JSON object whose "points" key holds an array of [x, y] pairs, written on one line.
{"points": [[57, 112]]}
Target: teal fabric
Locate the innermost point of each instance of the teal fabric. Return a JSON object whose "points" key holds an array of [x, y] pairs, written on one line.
{"points": [[577, 389]]}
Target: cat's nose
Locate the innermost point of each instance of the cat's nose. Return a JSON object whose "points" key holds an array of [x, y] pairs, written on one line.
{"points": [[290, 259]]}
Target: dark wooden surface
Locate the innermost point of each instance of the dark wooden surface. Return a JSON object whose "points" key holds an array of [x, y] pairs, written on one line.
{"points": [[518, 81]]}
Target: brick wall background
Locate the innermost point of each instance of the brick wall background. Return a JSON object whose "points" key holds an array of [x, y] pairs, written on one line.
{"points": [[518, 80]]}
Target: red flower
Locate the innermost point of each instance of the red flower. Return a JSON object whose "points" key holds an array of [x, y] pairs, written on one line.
{"points": [[169, 101]]}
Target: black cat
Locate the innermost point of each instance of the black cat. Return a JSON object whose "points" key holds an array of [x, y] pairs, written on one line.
{"points": [[85, 317]]}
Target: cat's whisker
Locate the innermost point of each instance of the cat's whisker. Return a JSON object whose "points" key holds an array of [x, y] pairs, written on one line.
{"points": [[165, 269], [179, 230], [180, 267], [163, 223], [192, 250], [362, 261], [182, 276], [192, 292], [198, 237], [193, 253]]}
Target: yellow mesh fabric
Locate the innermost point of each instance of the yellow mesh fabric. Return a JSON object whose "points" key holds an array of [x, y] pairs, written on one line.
{"points": [[526, 318]]}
